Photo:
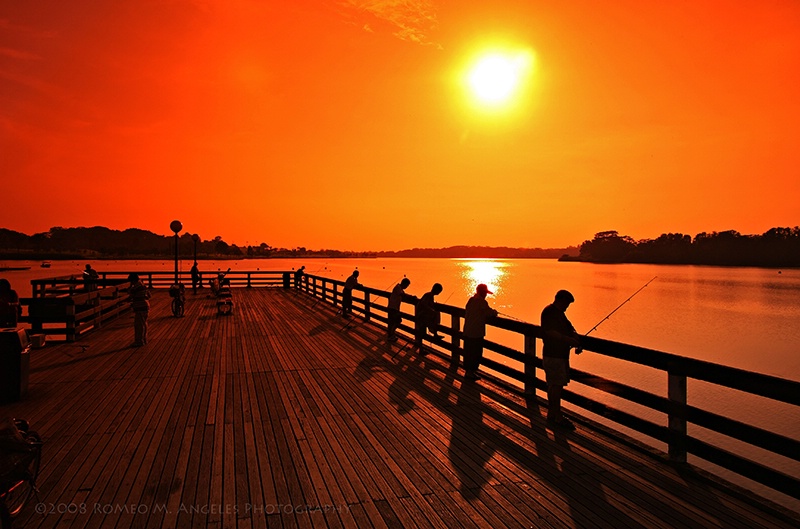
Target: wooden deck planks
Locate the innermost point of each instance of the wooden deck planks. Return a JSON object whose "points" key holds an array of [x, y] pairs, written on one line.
{"points": [[280, 416]]}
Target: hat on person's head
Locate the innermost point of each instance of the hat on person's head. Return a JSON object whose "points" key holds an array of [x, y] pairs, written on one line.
{"points": [[483, 288], [133, 276], [565, 295]]}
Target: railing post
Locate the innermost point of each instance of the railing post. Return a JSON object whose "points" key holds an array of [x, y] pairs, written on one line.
{"points": [[248, 280], [455, 342], [335, 294], [676, 393], [530, 364], [366, 306], [70, 323]]}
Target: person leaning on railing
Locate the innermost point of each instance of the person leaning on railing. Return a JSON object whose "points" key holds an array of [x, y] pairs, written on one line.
{"points": [[347, 294], [559, 337], [139, 296], [427, 316], [476, 313], [394, 317]]}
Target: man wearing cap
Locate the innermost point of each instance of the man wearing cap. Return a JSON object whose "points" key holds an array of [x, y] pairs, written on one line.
{"points": [[559, 337], [477, 312]]}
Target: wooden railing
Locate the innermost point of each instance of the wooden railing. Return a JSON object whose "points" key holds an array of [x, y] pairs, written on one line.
{"points": [[70, 311], [674, 405], [65, 301], [68, 307]]}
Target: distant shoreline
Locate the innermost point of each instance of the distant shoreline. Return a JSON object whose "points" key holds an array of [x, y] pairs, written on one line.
{"points": [[49, 257]]}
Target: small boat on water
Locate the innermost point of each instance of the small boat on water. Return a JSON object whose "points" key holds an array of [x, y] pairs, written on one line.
{"points": [[45, 264]]}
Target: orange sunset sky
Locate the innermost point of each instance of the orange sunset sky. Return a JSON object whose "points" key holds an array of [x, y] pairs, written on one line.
{"points": [[350, 124]]}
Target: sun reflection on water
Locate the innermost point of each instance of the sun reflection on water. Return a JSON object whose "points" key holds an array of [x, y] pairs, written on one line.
{"points": [[491, 273]]}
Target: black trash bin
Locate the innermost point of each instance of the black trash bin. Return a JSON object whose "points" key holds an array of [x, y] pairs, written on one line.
{"points": [[15, 361], [287, 280]]}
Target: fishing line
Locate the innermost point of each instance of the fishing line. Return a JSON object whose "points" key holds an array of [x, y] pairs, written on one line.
{"points": [[620, 306], [448, 297], [513, 317]]}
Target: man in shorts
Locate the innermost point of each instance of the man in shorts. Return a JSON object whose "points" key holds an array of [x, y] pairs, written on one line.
{"points": [[559, 337]]}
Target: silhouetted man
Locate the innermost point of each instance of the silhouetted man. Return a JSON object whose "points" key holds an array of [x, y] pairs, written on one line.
{"points": [[427, 316], [139, 296], [477, 312], [347, 294], [90, 278], [559, 337], [393, 309], [298, 276], [197, 279]]}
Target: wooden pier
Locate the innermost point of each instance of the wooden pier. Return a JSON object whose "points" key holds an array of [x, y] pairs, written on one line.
{"points": [[275, 416]]}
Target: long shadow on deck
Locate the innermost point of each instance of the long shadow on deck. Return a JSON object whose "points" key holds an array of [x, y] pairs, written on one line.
{"points": [[482, 428]]}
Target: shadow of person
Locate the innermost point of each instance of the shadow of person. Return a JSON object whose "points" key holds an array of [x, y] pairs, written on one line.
{"points": [[399, 391], [366, 367], [470, 450]]}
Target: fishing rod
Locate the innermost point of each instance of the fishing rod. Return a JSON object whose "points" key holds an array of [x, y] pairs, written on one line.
{"points": [[512, 317], [437, 338], [321, 268], [349, 323], [323, 293], [620, 306], [448, 297]]}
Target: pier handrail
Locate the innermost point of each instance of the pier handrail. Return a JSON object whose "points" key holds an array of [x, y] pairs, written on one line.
{"points": [[68, 285], [679, 413], [93, 307]]}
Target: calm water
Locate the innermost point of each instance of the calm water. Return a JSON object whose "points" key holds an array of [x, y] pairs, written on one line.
{"points": [[740, 317]]}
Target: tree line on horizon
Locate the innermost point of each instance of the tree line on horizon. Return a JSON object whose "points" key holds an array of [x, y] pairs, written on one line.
{"points": [[483, 252], [101, 242], [777, 247]]}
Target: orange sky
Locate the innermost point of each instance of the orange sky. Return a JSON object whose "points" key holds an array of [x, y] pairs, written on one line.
{"points": [[343, 123]]}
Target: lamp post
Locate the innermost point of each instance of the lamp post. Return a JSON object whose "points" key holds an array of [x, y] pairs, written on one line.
{"points": [[176, 226]]}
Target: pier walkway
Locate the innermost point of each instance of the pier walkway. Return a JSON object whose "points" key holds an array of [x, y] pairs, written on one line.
{"points": [[276, 417]]}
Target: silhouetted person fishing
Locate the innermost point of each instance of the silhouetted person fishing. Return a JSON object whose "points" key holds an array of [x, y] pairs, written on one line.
{"points": [[347, 294], [559, 336], [428, 317], [298, 276], [393, 308], [477, 312], [90, 278]]}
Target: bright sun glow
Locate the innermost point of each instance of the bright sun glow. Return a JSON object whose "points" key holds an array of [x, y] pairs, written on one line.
{"points": [[496, 78], [488, 272]]}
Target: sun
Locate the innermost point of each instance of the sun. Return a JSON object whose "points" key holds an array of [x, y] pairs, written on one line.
{"points": [[496, 78]]}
